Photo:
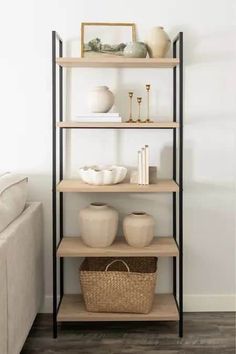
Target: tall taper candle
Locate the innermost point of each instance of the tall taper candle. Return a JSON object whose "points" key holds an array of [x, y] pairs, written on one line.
{"points": [[139, 168], [143, 166], [146, 164]]}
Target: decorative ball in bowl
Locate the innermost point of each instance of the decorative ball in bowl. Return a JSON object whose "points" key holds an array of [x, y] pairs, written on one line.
{"points": [[102, 175]]}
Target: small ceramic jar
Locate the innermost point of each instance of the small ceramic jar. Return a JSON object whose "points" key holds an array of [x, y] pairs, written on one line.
{"points": [[135, 50], [100, 99], [138, 229], [98, 225]]}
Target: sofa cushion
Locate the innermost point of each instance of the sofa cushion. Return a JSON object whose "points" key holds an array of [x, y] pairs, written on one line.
{"points": [[13, 196]]}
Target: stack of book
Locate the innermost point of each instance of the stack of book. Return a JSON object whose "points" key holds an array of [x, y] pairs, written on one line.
{"points": [[143, 165], [99, 117]]}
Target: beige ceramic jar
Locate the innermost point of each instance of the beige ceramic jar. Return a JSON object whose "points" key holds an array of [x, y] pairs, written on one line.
{"points": [[138, 229], [158, 42], [98, 225]]}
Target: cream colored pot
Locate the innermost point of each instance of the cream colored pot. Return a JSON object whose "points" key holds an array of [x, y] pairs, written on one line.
{"points": [[158, 42], [138, 229], [98, 225], [100, 99]]}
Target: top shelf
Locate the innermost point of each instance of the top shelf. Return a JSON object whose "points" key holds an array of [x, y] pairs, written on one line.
{"points": [[117, 62]]}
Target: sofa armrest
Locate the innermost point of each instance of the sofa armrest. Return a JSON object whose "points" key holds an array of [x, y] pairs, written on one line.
{"points": [[24, 239]]}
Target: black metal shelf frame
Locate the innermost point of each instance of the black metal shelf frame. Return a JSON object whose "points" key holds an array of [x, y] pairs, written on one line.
{"points": [[57, 161]]}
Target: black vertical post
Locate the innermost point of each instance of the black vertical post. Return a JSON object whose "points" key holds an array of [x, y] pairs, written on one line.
{"points": [[174, 168], [61, 168], [54, 180], [181, 184]]}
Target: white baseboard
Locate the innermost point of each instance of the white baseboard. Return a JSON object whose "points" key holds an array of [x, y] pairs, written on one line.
{"points": [[192, 303], [211, 303]]}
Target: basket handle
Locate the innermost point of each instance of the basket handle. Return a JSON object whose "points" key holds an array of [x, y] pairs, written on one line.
{"points": [[117, 260]]}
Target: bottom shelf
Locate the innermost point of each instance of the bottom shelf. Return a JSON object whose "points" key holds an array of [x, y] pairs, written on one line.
{"points": [[72, 309]]}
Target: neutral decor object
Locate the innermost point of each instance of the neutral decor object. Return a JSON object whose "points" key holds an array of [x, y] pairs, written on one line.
{"points": [[125, 284], [143, 165], [99, 117], [135, 50], [158, 42], [102, 39], [138, 229], [100, 99], [134, 175], [102, 175], [71, 307], [130, 120], [98, 225]]}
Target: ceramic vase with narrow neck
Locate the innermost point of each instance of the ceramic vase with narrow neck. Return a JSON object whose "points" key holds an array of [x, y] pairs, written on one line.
{"points": [[138, 229], [98, 225], [158, 42], [100, 99]]}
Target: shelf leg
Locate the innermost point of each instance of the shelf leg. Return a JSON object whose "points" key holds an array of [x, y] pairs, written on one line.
{"points": [[61, 165], [181, 184], [54, 176], [178, 39]]}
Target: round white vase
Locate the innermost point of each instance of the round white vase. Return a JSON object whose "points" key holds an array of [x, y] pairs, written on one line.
{"points": [[138, 229], [100, 99], [158, 42], [98, 225]]}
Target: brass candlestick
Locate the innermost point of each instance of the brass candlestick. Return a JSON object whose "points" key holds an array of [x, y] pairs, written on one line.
{"points": [[139, 100], [148, 103], [130, 120]]}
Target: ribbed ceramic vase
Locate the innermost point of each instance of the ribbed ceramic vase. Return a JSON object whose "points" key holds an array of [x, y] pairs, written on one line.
{"points": [[100, 99], [98, 225], [158, 42], [138, 229]]}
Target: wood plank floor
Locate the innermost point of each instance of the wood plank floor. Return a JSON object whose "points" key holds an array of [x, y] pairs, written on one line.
{"points": [[205, 333]]}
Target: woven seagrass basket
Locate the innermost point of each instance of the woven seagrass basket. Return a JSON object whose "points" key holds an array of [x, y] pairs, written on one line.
{"points": [[125, 284]]}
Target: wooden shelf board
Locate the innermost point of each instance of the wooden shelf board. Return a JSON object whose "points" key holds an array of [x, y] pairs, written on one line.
{"points": [[160, 247], [72, 309], [73, 185], [118, 62], [123, 125]]}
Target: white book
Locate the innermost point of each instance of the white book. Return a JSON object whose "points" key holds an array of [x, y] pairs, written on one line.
{"points": [[139, 168], [99, 119], [109, 114], [146, 164]]}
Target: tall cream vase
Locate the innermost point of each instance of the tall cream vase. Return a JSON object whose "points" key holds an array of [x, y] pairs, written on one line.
{"points": [[158, 42], [98, 225], [138, 229]]}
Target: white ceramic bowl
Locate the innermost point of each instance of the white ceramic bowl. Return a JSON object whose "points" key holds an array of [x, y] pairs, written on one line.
{"points": [[102, 175]]}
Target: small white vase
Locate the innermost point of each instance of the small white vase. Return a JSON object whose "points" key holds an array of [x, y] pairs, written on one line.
{"points": [[98, 225], [158, 42], [138, 229], [100, 99]]}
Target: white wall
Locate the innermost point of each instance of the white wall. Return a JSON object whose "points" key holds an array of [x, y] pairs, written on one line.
{"points": [[209, 143]]}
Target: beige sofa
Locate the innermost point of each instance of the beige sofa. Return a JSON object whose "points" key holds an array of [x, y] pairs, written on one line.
{"points": [[21, 277]]}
